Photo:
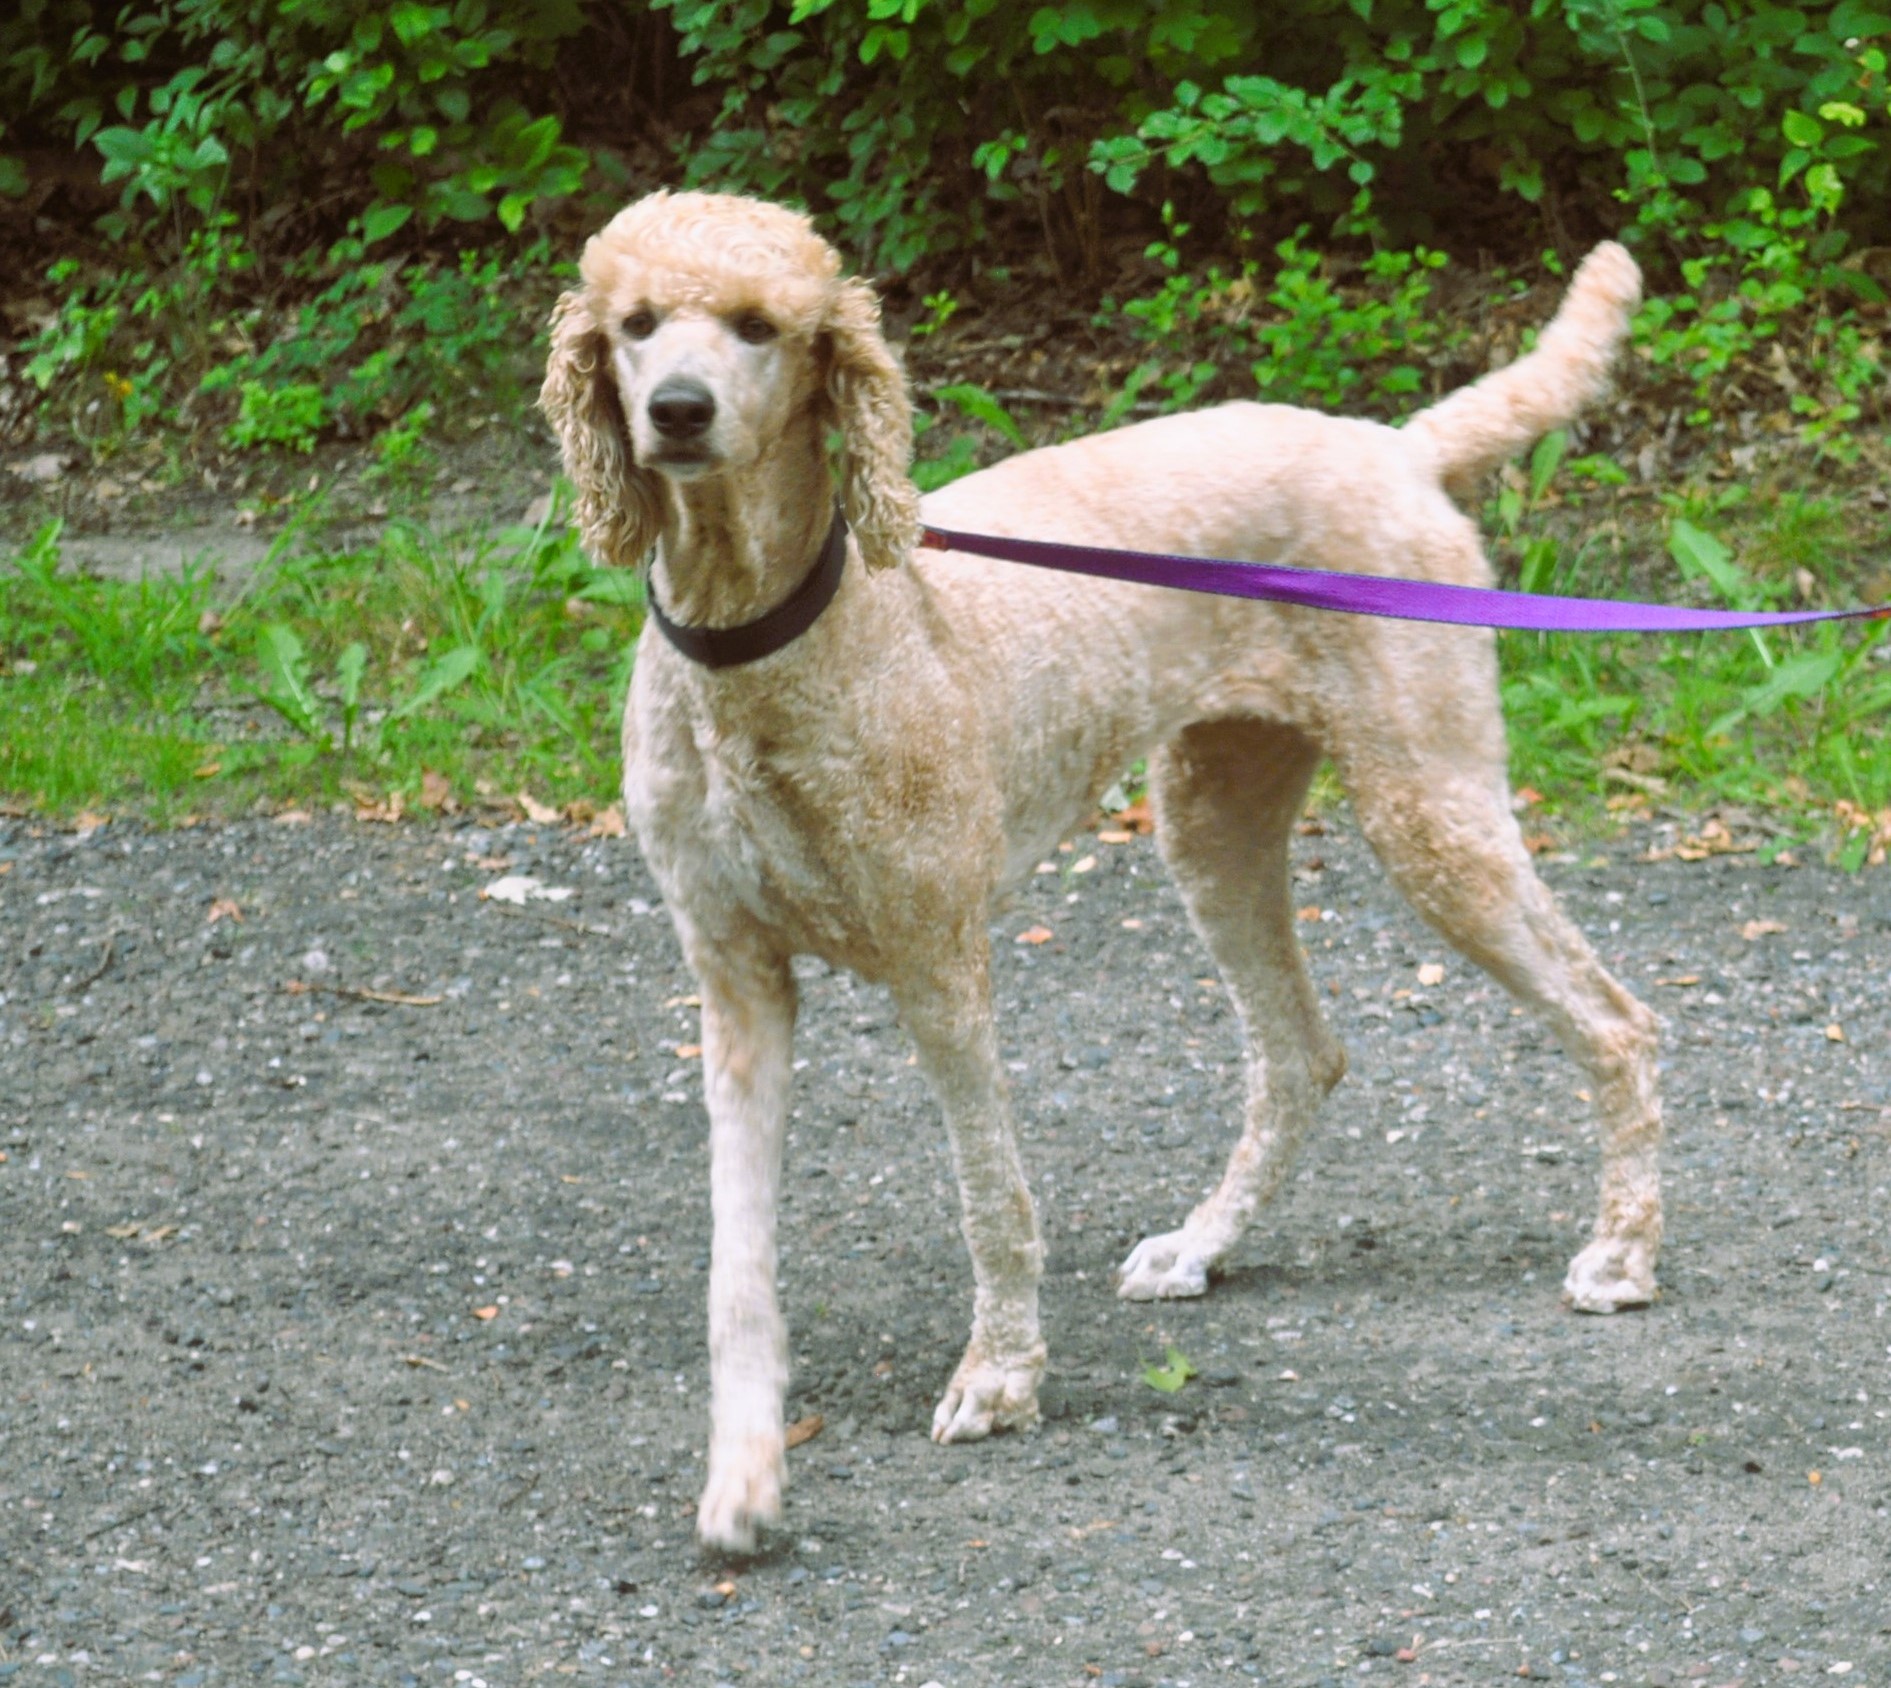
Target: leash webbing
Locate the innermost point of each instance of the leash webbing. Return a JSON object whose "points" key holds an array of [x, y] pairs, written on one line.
{"points": [[1366, 594]]}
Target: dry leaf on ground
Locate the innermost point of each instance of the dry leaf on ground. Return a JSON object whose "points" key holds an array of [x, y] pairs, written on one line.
{"points": [[805, 1430], [1432, 973], [224, 908], [384, 813], [1712, 840], [1138, 817], [1035, 935], [608, 822], [1853, 818], [1756, 929], [543, 813]]}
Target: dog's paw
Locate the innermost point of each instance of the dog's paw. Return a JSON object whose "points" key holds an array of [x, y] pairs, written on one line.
{"points": [[743, 1495], [1610, 1275], [1164, 1268], [989, 1395]]}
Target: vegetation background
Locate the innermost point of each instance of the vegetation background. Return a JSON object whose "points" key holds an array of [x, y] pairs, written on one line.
{"points": [[284, 266]]}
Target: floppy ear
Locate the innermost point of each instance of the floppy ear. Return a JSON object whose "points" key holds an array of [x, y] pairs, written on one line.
{"points": [[867, 388], [619, 515]]}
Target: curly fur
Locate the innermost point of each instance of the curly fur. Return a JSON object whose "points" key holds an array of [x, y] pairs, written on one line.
{"points": [[617, 509], [866, 792], [719, 254]]}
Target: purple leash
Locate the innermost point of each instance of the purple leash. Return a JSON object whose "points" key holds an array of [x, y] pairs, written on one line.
{"points": [[1368, 594]]}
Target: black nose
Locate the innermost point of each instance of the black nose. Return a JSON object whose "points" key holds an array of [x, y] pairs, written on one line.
{"points": [[682, 409]]}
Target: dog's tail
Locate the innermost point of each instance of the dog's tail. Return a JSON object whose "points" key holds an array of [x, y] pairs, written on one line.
{"points": [[1480, 426]]}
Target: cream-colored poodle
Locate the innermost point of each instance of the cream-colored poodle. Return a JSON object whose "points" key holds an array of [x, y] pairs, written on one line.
{"points": [[865, 793]]}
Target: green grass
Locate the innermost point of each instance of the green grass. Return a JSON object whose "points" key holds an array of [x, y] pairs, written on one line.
{"points": [[1796, 722], [495, 663], [488, 664]]}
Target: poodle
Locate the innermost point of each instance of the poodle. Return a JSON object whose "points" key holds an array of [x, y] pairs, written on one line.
{"points": [[863, 791]]}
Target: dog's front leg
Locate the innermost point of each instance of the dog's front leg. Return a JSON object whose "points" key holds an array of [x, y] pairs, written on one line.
{"points": [[748, 1029], [995, 1386]]}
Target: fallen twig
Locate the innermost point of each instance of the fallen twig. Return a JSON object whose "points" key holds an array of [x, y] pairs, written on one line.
{"points": [[105, 959], [362, 993], [552, 919]]}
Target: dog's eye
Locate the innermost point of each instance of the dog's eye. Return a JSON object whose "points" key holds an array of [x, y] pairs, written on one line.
{"points": [[640, 324], [756, 330]]}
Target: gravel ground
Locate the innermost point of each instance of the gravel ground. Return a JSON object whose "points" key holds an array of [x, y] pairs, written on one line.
{"points": [[347, 1340]]}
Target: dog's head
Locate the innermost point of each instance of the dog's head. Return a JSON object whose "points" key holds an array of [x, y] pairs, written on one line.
{"points": [[704, 325]]}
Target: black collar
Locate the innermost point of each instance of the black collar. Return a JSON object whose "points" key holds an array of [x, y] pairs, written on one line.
{"points": [[730, 647]]}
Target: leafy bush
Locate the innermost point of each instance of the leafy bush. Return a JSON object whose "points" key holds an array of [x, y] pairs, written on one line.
{"points": [[371, 340], [1742, 147], [194, 105], [1375, 119]]}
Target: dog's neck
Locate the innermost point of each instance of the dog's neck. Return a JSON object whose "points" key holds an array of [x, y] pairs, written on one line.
{"points": [[735, 544]]}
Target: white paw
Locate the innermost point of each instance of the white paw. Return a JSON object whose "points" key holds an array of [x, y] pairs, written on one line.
{"points": [[1164, 1268], [989, 1395], [1611, 1274], [743, 1494]]}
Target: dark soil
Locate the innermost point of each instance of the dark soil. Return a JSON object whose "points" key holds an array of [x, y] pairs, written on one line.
{"points": [[356, 1341]]}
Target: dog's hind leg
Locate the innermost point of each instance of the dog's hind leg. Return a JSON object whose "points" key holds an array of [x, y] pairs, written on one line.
{"points": [[1227, 795], [1449, 840], [948, 1012], [748, 1029]]}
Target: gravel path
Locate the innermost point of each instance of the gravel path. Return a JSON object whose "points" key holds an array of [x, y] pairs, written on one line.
{"points": [[349, 1339]]}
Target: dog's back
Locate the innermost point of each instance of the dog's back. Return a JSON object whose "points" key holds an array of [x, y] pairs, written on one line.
{"points": [[1265, 465]]}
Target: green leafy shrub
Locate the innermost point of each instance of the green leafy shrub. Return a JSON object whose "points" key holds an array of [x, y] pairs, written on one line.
{"points": [[409, 110], [284, 415], [1303, 337], [369, 341], [331, 145]]}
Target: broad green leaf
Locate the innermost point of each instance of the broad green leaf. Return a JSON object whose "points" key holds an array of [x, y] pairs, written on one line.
{"points": [[1545, 461], [380, 221], [1538, 571], [614, 586], [982, 407], [285, 667], [1701, 555], [439, 678], [1804, 675], [1169, 1377], [1802, 129], [349, 667]]}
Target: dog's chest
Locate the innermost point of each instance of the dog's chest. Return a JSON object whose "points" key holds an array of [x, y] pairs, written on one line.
{"points": [[737, 821]]}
